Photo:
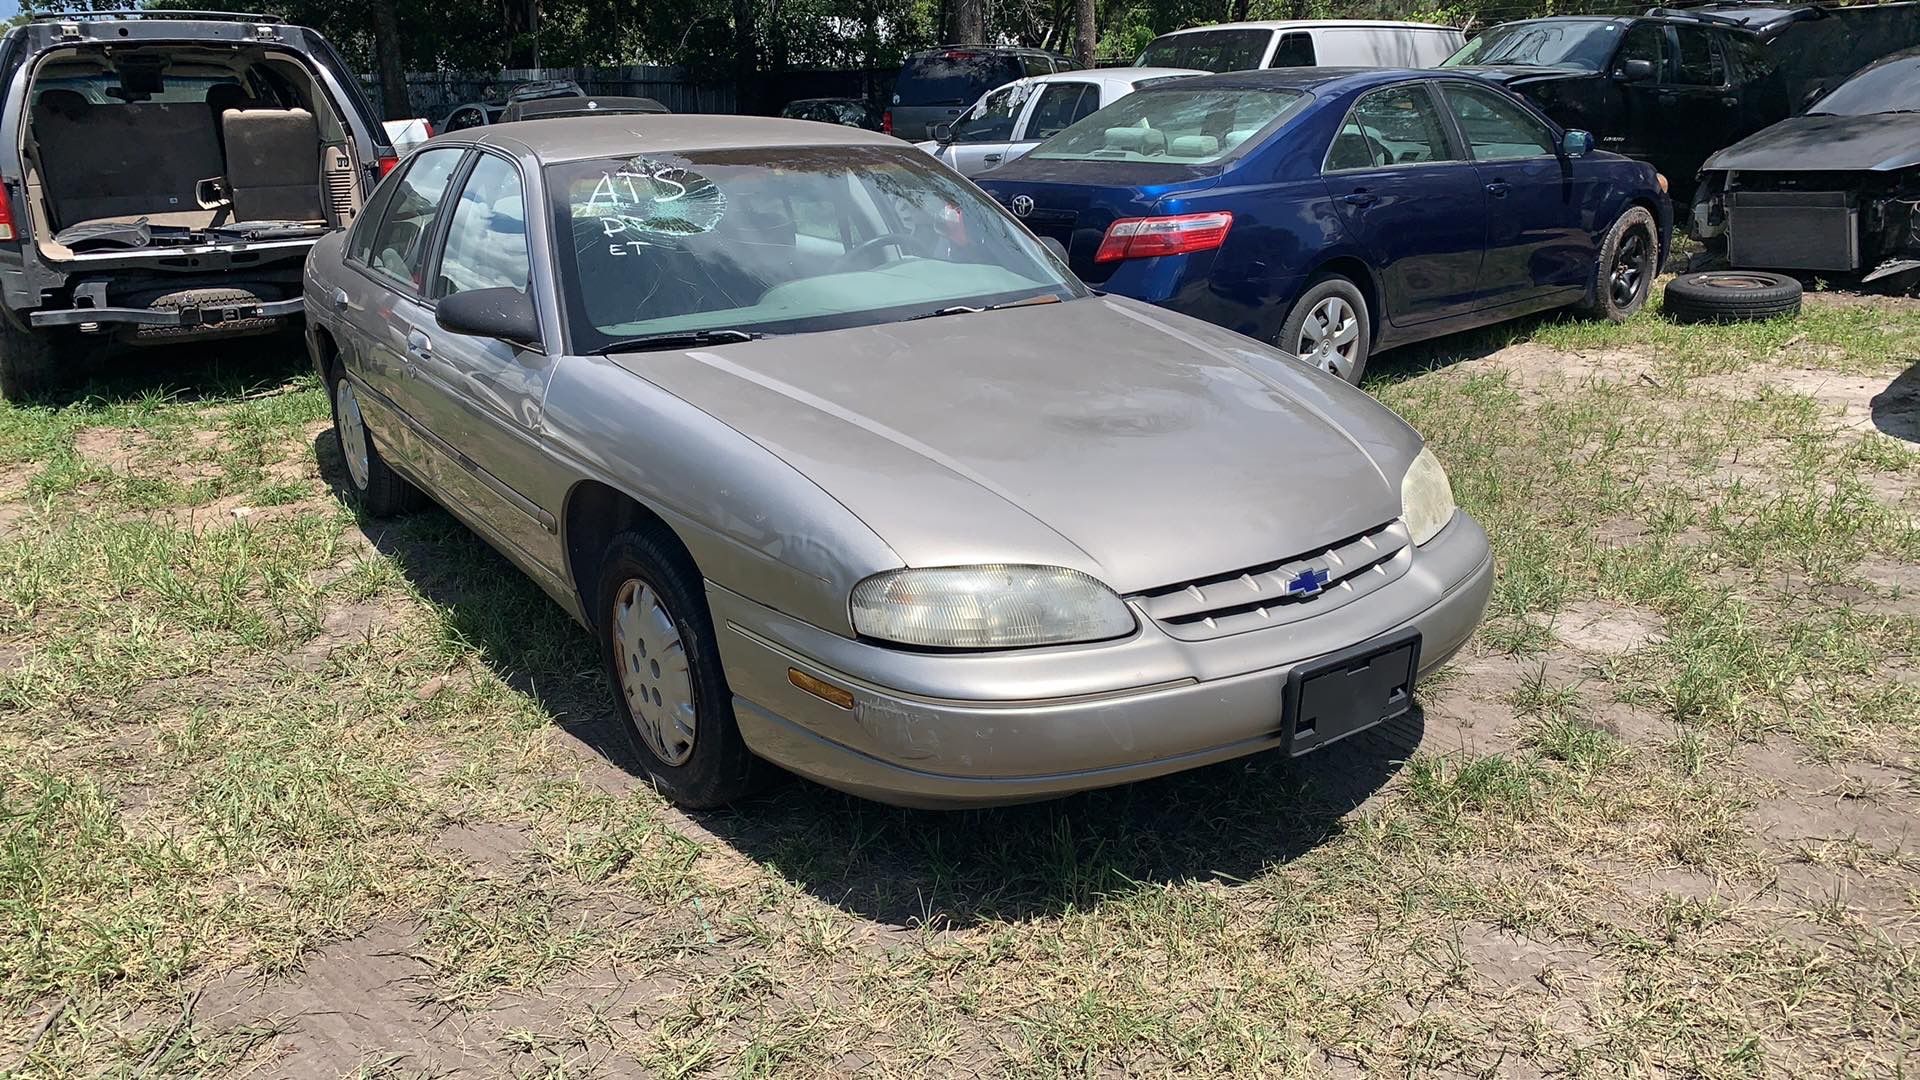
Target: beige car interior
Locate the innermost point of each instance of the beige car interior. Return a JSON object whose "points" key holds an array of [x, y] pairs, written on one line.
{"points": [[185, 136]]}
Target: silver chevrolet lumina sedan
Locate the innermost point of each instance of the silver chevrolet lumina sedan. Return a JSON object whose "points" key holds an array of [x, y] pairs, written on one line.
{"points": [[848, 473]]}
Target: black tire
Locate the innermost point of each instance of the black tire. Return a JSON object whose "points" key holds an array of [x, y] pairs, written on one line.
{"points": [[213, 296], [1623, 274], [1322, 290], [717, 768], [31, 361], [378, 490], [1731, 296]]}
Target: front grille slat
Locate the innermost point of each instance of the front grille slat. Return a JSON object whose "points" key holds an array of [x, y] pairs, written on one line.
{"points": [[1257, 596]]}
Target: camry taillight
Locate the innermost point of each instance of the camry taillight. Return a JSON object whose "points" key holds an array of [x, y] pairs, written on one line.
{"points": [[1143, 238], [886, 122]]}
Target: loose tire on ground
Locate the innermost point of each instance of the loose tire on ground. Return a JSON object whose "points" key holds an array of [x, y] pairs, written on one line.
{"points": [[1623, 274], [380, 491], [1330, 327], [1731, 296], [657, 643]]}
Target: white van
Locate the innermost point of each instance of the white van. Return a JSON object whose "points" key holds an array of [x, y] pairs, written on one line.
{"points": [[1304, 43]]}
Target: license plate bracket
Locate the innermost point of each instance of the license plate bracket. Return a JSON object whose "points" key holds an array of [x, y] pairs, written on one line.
{"points": [[1350, 691]]}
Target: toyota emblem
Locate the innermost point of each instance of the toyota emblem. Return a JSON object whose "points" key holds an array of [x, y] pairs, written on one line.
{"points": [[1022, 205]]}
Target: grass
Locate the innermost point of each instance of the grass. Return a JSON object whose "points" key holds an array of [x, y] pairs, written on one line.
{"points": [[259, 758]]}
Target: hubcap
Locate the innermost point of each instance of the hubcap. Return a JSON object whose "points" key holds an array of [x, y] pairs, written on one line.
{"points": [[353, 434], [653, 672], [1632, 268], [1330, 337], [1735, 281]]}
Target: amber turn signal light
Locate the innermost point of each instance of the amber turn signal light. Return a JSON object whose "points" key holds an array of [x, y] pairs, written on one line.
{"points": [[820, 688]]}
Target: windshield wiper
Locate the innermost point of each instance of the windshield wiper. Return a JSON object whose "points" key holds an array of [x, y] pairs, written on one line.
{"points": [[971, 309], [680, 339]]}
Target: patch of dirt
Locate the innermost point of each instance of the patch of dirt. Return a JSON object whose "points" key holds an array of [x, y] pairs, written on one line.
{"points": [[1533, 367], [1510, 961], [1470, 709], [1632, 724], [12, 516], [182, 458], [487, 846], [227, 511], [362, 1001], [1850, 399], [1893, 575], [1606, 629], [346, 625], [1803, 816], [14, 656]]}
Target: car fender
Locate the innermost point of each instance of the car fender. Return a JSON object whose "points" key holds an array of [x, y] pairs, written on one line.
{"points": [[752, 523]]}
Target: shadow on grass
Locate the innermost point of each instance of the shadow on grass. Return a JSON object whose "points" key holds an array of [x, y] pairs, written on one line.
{"points": [[1896, 410], [1228, 822], [1411, 361], [208, 371]]}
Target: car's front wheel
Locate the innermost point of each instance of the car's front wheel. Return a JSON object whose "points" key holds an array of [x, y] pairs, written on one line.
{"points": [[1329, 327], [376, 487], [1629, 259], [656, 638]]}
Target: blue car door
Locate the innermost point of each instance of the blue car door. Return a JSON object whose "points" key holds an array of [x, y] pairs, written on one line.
{"points": [[1410, 200], [1535, 244]]}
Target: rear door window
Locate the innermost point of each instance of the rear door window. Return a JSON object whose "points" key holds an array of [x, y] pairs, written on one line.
{"points": [[1294, 50], [399, 246], [1395, 126], [1061, 104]]}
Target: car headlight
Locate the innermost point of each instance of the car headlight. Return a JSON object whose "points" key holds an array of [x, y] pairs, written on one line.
{"points": [[988, 607], [1426, 498]]}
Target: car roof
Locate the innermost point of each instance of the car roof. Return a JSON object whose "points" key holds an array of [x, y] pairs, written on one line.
{"points": [[1309, 78], [1122, 76], [578, 138], [1313, 24]]}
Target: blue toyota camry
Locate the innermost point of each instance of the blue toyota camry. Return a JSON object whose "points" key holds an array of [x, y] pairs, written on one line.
{"points": [[1339, 212]]}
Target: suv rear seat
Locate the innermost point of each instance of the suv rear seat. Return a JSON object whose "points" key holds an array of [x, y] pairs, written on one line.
{"points": [[273, 164], [125, 160]]}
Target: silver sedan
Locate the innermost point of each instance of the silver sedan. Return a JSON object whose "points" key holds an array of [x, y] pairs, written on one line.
{"points": [[847, 472]]}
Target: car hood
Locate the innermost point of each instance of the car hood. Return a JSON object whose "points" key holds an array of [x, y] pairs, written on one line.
{"points": [[1817, 142], [1512, 74], [1140, 446]]}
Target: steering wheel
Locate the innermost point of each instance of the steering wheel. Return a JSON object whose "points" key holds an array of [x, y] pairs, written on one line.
{"points": [[861, 250]]}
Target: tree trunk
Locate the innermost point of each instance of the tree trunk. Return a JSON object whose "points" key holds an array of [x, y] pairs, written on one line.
{"points": [[392, 61], [969, 22], [746, 59], [1240, 10], [1089, 28]]}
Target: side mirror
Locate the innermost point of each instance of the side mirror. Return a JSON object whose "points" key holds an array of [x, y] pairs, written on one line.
{"points": [[1059, 249], [1577, 143], [942, 133], [503, 313], [1636, 71]]}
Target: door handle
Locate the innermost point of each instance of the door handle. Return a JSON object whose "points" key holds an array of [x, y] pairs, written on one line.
{"points": [[1499, 188], [1360, 198], [419, 346], [340, 300], [991, 159]]}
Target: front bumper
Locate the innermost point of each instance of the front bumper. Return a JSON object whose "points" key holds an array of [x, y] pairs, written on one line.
{"points": [[949, 730]]}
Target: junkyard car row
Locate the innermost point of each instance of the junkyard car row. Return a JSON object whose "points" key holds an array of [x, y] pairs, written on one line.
{"points": [[857, 469]]}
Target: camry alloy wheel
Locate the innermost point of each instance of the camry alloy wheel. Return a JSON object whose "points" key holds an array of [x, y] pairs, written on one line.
{"points": [[1632, 268], [1330, 336], [654, 673], [353, 434]]}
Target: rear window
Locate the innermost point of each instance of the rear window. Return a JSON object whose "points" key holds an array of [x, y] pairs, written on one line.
{"points": [[1174, 126], [106, 88], [953, 78], [1208, 50]]}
